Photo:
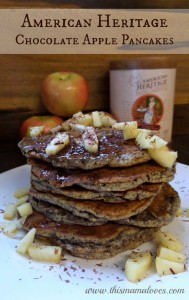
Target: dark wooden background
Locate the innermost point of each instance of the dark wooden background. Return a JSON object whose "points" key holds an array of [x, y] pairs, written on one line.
{"points": [[97, 3], [21, 77]]}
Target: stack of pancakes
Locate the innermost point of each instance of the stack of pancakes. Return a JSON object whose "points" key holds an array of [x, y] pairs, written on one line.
{"points": [[96, 205]]}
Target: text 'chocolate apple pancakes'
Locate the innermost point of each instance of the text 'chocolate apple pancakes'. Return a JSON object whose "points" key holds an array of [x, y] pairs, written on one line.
{"points": [[98, 194]]}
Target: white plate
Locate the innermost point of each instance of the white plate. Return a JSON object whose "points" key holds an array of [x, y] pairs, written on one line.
{"points": [[22, 278]]}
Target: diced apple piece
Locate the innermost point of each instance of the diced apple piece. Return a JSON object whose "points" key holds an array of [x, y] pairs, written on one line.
{"points": [[10, 228], [130, 130], [163, 156], [21, 193], [106, 119], [180, 211], [56, 129], [25, 209], [90, 140], [86, 120], [3, 225], [27, 240], [96, 119], [119, 125], [45, 253], [36, 130], [21, 221], [167, 240], [143, 140], [169, 254], [77, 127], [142, 130], [146, 141], [65, 126], [157, 142], [58, 143], [77, 116], [168, 267], [80, 118], [22, 200], [10, 212], [73, 120], [137, 265]]}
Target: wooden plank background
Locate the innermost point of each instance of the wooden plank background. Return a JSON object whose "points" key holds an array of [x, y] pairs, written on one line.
{"points": [[97, 3], [21, 77]]}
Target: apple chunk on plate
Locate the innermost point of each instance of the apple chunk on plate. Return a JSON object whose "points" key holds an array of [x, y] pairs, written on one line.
{"points": [[172, 255], [26, 241], [10, 212], [166, 239], [25, 209], [168, 267], [137, 265], [163, 156], [45, 253]]}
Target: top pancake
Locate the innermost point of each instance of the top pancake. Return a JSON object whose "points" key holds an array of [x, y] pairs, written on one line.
{"points": [[113, 151]]}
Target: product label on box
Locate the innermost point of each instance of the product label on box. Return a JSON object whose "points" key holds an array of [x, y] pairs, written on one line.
{"points": [[145, 96]]}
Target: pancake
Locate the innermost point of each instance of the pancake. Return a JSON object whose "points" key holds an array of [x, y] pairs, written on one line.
{"points": [[161, 212], [141, 192], [59, 214], [94, 209], [108, 179], [96, 205], [113, 151], [94, 242]]}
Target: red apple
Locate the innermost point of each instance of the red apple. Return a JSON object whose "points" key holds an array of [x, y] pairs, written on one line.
{"points": [[64, 93], [48, 122]]}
